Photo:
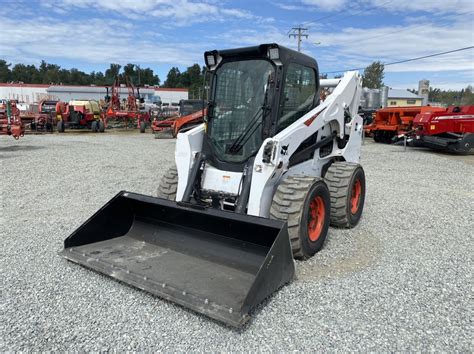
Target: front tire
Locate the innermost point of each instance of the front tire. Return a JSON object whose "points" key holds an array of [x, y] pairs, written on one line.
{"points": [[101, 126], [142, 127], [168, 184], [346, 182], [304, 203]]}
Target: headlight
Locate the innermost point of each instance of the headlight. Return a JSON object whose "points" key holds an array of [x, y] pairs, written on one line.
{"points": [[273, 53], [210, 60]]}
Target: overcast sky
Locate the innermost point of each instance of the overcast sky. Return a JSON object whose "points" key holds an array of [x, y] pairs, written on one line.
{"points": [[90, 34]]}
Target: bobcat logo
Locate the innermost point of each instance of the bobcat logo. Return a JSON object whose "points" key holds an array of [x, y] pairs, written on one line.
{"points": [[284, 150]]}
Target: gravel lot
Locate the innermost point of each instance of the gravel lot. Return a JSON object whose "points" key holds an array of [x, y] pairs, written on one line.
{"points": [[400, 281]]}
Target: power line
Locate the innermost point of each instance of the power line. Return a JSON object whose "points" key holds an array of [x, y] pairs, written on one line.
{"points": [[406, 60]]}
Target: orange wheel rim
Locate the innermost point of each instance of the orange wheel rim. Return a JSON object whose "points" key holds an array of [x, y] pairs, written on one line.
{"points": [[355, 196], [317, 213]]}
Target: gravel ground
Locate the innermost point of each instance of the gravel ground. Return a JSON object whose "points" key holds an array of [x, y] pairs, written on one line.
{"points": [[400, 281]]}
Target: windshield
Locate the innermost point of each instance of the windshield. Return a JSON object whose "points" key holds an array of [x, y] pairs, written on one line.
{"points": [[238, 109]]}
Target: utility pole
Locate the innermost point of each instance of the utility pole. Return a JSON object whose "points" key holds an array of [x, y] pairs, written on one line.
{"points": [[298, 32]]}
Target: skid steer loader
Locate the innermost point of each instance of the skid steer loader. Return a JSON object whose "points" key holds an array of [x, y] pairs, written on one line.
{"points": [[254, 186]]}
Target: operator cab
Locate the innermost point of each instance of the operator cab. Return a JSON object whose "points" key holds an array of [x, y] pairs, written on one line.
{"points": [[255, 92]]}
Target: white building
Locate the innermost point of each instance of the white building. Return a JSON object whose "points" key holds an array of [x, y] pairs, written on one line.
{"points": [[33, 93], [28, 93], [171, 96]]}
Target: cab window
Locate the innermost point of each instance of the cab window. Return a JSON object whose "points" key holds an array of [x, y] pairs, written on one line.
{"points": [[298, 94]]}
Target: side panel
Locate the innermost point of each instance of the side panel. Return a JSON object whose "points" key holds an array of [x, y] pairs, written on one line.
{"points": [[222, 181], [330, 116], [187, 145]]}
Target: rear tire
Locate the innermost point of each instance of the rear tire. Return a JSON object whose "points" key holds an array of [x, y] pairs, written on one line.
{"points": [[101, 126], [304, 202], [94, 127], [168, 184], [60, 126], [142, 127], [346, 182]]}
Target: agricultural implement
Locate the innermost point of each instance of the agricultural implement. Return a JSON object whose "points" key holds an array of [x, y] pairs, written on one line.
{"points": [[129, 111], [10, 121], [256, 185], [45, 119], [80, 114], [450, 129], [390, 123]]}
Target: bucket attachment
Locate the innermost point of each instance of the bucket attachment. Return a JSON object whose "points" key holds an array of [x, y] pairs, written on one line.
{"points": [[218, 263]]}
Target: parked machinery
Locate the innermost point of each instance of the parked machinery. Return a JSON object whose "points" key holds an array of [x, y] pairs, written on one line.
{"points": [[45, 119], [390, 123], [187, 122], [450, 129], [191, 113], [130, 111], [10, 121], [258, 183], [80, 114]]}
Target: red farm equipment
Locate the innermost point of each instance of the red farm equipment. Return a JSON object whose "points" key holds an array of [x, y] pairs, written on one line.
{"points": [[80, 114], [10, 121], [191, 113], [390, 123], [451, 129], [45, 119], [128, 111]]}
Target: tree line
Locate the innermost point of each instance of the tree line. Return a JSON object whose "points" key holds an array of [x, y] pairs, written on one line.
{"points": [[47, 73]]}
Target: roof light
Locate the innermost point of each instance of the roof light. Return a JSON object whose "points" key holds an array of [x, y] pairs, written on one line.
{"points": [[273, 53], [210, 60]]}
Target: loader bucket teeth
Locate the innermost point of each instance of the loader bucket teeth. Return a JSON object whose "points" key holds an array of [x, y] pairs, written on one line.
{"points": [[217, 263]]}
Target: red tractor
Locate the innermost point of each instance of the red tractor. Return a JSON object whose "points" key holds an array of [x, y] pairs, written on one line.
{"points": [[10, 121], [129, 110], [451, 129]]}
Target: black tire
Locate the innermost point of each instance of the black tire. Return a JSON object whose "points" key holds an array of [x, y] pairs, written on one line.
{"points": [[293, 202], [101, 126], [346, 182], [142, 127], [465, 146], [377, 136], [94, 126], [60, 126], [168, 184]]}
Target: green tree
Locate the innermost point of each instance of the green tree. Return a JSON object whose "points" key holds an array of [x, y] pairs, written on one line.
{"points": [[373, 75], [129, 70], [26, 73], [111, 73], [173, 78], [148, 77], [5, 73]]}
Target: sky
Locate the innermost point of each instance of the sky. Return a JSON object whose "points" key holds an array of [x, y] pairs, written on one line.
{"points": [[343, 34]]}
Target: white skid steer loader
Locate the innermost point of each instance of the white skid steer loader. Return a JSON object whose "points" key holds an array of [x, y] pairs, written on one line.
{"points": [[254, 186]]}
